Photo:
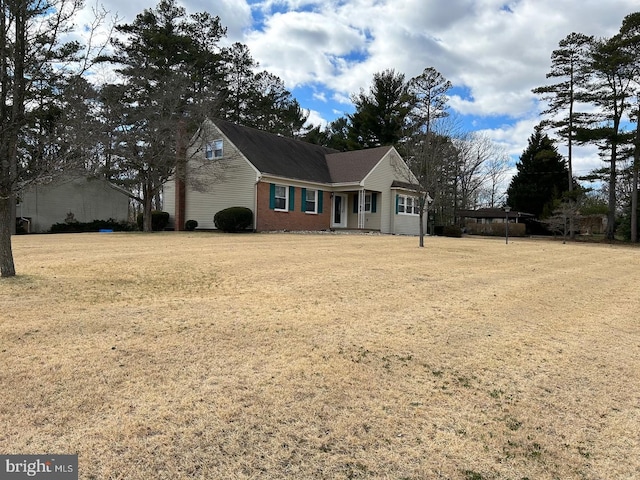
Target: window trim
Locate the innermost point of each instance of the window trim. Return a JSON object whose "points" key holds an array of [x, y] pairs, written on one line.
{"points": [[306, 202], [211, 152], [402, 205], [276, 197], [373, 200], [368, 195]]}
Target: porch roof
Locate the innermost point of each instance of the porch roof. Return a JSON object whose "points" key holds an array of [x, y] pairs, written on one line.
{"points": [[405, 186]]}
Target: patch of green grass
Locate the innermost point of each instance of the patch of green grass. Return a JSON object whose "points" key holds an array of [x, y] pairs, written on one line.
{"points": [[471, 475], [496, 393], [513, 424]]}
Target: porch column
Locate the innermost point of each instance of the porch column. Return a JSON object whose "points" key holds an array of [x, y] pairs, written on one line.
{"points": [[361, 208]]}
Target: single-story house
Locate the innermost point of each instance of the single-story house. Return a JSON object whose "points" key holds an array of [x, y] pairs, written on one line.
{"points": [[292, 185], [83, 198], [491, 221], [493, 215]]}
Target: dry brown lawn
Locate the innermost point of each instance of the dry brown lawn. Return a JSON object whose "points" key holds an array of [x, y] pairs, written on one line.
{"points": [[277, 356]]}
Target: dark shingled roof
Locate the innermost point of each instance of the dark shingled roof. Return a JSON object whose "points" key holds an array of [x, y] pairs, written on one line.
{"points": [[277, 155], [353, 166], [405, 185]]}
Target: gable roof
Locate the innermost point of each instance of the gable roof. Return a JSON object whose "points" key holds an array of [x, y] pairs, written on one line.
{"points": [[353, 166], [296, 159], [277, 155]]}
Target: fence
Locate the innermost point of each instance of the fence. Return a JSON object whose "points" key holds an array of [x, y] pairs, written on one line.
{"points": [[496, 229]]}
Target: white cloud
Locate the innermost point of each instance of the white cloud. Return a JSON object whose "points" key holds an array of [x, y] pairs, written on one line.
{"points": [[304, 47], [496, 54], [315, 119]]}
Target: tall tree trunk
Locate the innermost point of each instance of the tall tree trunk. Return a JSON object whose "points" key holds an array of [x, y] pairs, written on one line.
{"points": [[611, 216], [180, 178], [634, 191], [9, 136], [7, 267], [572, 233], [147, 225], [423, 202]]}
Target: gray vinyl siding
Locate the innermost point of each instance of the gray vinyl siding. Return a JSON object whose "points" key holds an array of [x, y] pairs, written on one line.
{"points": [[86, 199], [390, 168], [404, 224], [169, 200], [213, 185], [238, 190], [371, 219]]}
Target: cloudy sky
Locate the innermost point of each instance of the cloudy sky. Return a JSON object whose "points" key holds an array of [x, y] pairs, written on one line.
{"points": [[493, 51]]}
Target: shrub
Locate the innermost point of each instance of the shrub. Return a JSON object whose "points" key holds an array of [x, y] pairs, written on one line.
{"points": [[452, 231], [159, 220], [190, 225], [233, 219], [20, 227], [92, 226]]}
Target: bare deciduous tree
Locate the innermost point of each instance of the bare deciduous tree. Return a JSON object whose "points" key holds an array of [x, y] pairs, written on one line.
{"points": [[38, 69]]}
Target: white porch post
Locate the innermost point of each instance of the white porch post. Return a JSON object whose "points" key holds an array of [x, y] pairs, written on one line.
{"points": [[361, 209]]}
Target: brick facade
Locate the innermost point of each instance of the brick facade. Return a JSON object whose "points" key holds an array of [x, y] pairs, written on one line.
{"points": [[268, 219]]}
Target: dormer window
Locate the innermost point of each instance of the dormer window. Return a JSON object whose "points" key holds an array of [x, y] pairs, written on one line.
{"points": [[214, 150]]}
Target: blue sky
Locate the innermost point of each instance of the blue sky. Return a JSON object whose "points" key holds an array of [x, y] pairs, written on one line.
{"points": [[493, 51]]}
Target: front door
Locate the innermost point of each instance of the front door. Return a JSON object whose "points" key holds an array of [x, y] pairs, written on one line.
{"points": [[339, 217]]}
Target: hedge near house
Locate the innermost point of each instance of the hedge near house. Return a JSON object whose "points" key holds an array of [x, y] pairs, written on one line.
{"points": [[233, 219]]}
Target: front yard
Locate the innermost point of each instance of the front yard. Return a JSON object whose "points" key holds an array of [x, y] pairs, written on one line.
{"points": [[204, 355]]}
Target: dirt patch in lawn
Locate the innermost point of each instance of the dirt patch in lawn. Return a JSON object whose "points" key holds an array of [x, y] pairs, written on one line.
{"points": [[200, 355]]}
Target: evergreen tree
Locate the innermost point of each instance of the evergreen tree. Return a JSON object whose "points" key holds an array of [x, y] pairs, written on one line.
{"points": [[273, 108], [338, 134], [172, 82], [569, 67], [258, 100], [381, 113], [335, 135], [630, 42], [612, 80], [238, 88], [541, 177]]}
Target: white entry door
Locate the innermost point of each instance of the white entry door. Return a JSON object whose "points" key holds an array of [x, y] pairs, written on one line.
{"points": [[339, 211]]}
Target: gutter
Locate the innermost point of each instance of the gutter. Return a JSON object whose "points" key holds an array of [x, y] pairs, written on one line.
{"points": [[255, 202]]}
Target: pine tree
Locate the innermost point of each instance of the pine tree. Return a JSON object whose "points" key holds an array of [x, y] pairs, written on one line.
{"points": [[541, 177], [380, 113], [170, 63], [569, 67]]}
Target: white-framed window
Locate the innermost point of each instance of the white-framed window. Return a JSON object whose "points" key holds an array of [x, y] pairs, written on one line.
{"points": [[408, 205], [214, 150], [367, 203], [311, 201], [409, 209], [281, 198], [402, 200]]}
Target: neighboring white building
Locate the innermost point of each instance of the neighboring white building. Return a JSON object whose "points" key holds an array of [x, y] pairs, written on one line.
{"points": [[88, 199]]}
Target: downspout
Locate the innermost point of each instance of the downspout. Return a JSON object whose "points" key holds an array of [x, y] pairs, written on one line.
{"points": [[255, 203]]}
